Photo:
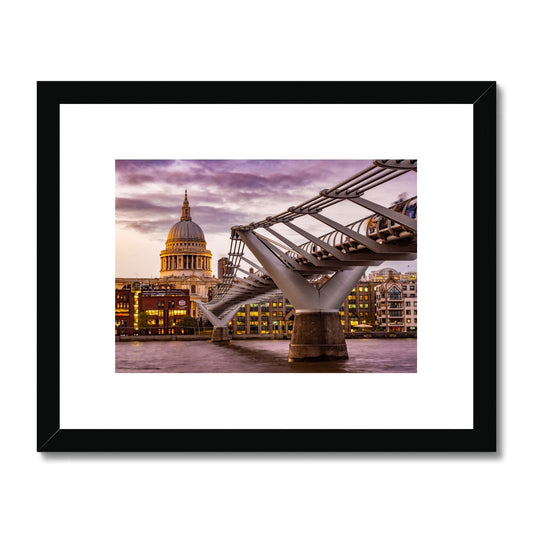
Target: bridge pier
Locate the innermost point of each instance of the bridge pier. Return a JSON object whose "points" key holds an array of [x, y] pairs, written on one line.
{"points": [[317, 336], [220, 334], [317, 333], [220, 324]]}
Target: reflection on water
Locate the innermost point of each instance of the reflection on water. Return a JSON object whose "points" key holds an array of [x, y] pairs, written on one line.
{"points": [[245, 356]]}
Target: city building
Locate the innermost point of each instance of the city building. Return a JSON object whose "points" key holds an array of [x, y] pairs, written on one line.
{"points": [[367, 307], [222, 263], [359, 309], [273, 317], [151, 310], [384, 274], [396, 305]]}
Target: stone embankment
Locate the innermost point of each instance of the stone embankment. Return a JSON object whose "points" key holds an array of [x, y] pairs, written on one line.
{"points": [[207, 337], [133, 338], [381, 335]]}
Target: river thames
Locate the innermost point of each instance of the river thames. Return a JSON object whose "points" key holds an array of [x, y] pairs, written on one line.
{"points": [[267, 356]]}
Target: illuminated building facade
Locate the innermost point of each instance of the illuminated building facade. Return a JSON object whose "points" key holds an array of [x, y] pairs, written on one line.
{"points": [[274, 317], [366, 308], [150, 309], [382, 275], [359, 309]]}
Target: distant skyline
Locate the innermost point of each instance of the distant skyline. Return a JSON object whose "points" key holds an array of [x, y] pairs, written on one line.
{"points": [[225, 193]]}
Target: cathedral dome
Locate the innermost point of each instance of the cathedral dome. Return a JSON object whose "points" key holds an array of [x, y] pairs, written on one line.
{"points": [[185, 230], [185, 253]]}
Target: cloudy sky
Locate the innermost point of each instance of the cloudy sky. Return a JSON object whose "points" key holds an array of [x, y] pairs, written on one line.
{"points": [[226, 193]]}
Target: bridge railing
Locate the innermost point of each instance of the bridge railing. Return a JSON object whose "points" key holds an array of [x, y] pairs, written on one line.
{"points": [[356, 185], [376, 227]]}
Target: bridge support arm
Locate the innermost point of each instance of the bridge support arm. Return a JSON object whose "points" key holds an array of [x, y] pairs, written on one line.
{"points": [[293, 285], [217, 322], [220, 325], [336, 290]]}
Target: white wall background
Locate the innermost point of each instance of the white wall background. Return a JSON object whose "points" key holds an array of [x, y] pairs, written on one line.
{"points": [[258, 41]]}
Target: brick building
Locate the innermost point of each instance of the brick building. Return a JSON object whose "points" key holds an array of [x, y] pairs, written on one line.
{"points": [[150, 309]]}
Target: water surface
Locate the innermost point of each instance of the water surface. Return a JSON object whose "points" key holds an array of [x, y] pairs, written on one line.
{"points": [[245, 356]]}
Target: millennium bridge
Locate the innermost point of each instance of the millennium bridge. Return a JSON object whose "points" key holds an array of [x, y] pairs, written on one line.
{"points": [[298, 270]]}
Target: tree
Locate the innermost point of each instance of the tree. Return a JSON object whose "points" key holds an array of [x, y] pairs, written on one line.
{"points": [[143, 322], [187, 324], [143, 319]]}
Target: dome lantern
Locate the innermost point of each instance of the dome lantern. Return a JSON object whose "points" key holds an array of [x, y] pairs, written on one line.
{"points": [[185, 209]]}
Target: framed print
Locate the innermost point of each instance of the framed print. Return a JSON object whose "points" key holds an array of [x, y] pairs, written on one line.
{"points": [[261, 259]]}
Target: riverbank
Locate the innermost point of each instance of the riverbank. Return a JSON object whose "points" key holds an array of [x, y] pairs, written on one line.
{"points": [[134, 338], [381, 335], [355, 335]]}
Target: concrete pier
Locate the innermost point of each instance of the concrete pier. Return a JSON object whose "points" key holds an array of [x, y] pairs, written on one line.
{"points": [[220, 334], [317, 336]]}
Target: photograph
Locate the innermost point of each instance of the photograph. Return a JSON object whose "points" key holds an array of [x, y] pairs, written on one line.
{"points": [[241, 266]]}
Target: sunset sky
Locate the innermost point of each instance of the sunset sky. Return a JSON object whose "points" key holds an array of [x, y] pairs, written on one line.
{"points": [[225, 193]]}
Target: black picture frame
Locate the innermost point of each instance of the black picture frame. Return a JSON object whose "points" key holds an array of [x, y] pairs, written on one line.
{"points": [[52, 438]]}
